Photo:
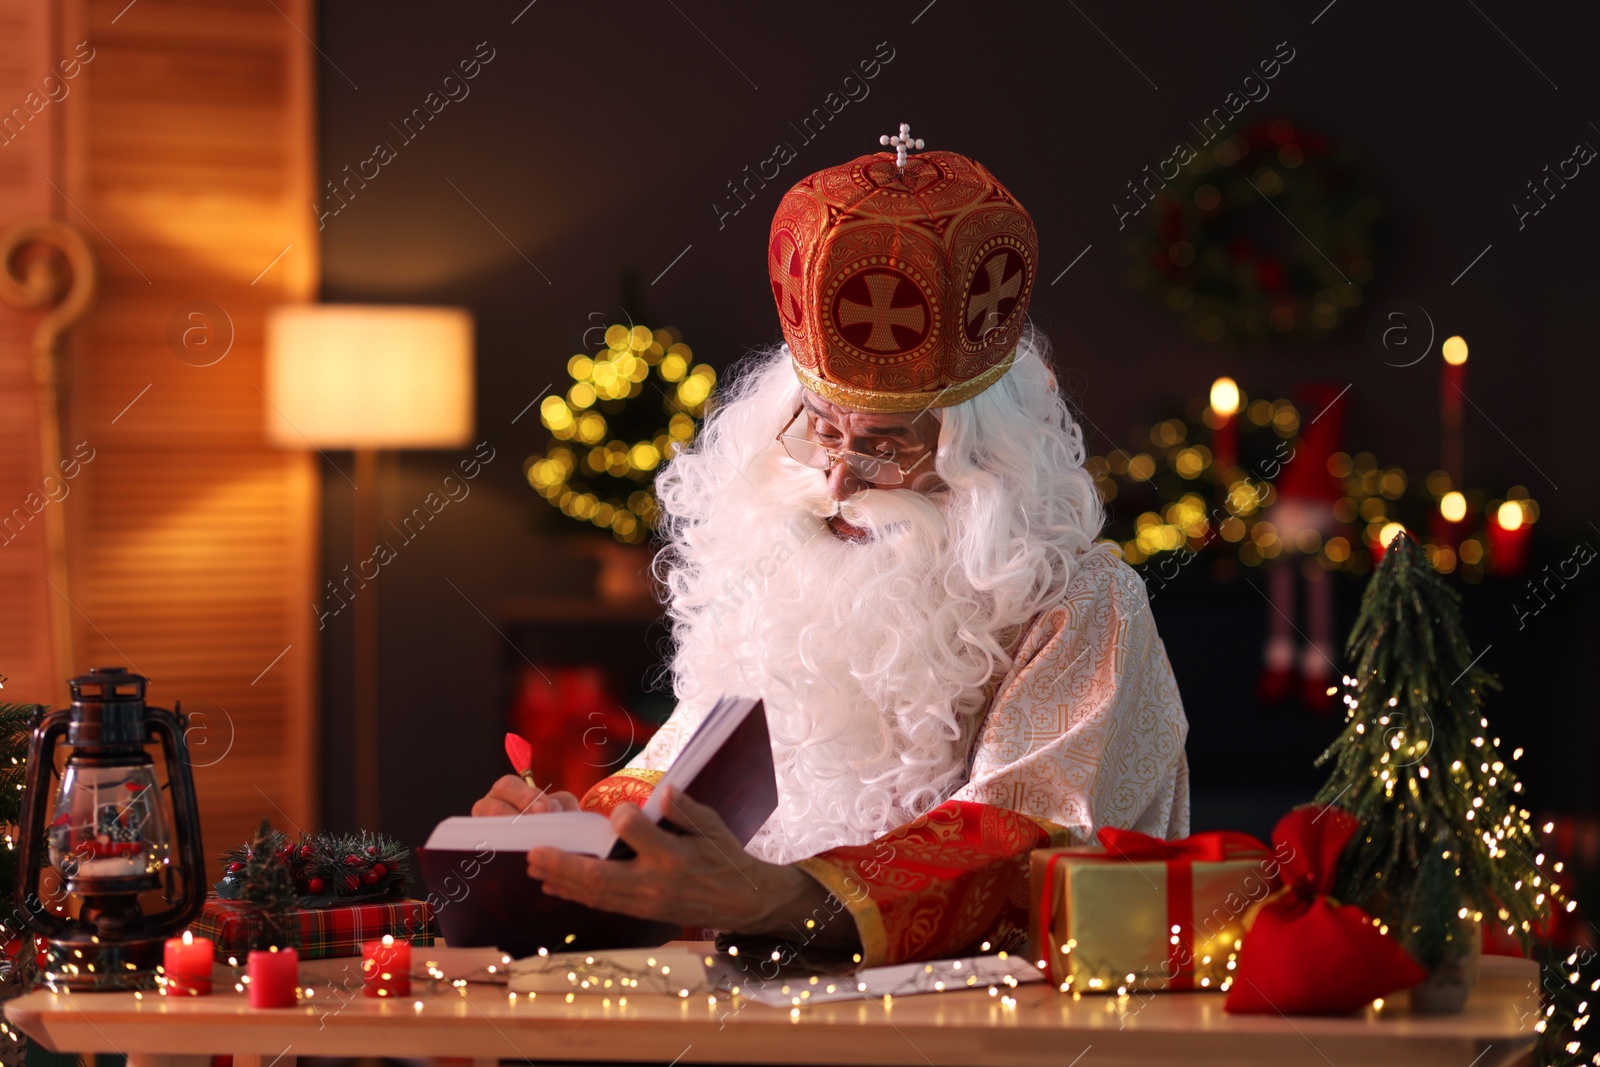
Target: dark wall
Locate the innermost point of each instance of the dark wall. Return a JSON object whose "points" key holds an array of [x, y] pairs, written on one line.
{"points": [[598, 139]]}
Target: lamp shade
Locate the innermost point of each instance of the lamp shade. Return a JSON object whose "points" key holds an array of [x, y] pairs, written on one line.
{"points": [[369, 376]]}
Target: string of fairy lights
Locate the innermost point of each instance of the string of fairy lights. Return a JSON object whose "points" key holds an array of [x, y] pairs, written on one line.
{"points": [[613, 977], [605, 450], [1503, 833], [1213, 969]]}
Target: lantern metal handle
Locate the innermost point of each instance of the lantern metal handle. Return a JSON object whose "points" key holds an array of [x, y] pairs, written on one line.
{"points": [[36, 801], [170, 727]]}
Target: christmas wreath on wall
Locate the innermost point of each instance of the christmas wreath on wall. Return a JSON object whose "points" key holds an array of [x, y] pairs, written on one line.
{"points": [[1269, 234]]}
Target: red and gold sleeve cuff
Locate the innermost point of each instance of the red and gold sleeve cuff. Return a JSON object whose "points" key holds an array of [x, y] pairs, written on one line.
{"points": [[939, 885], [626, 785]]}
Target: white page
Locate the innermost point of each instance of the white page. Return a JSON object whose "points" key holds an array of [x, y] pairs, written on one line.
{"points": [[571, 831]]}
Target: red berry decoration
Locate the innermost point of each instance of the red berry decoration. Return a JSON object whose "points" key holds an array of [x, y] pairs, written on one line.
{"points": [[316, 885], [351, 882], [379, 870], [352, 860], [307, 852], [235, 868], [372, 850], [369, 877]]}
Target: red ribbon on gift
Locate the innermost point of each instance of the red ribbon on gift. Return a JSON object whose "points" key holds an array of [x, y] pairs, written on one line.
{"points": [[1180, 857]]}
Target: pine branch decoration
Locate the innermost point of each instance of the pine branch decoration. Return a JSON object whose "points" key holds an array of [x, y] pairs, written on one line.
{"points": [[321, 869], [1443, 833]]}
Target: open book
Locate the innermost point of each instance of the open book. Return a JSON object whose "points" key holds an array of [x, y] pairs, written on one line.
{"points": [[476, 868]]}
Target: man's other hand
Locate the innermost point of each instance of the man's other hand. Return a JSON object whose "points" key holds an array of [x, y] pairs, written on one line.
{"points": [[510, 795], [702, 877]]}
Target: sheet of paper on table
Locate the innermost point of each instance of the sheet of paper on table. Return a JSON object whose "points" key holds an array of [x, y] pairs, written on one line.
{"points": [[673, 969]]}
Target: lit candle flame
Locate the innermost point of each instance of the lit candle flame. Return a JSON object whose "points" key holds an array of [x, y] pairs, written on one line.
{"points": [[1225, 397]]}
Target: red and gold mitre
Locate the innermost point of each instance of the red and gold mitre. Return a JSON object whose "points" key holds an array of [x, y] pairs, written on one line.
{"points": [[902, 288]]}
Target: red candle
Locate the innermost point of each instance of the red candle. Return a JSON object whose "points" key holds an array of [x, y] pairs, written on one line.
{"points": [[274, 978], [1448, 523], [1452, 388], [1226, 440], [1509, 535], [1225, 400], [386, 968], [188, 965]]}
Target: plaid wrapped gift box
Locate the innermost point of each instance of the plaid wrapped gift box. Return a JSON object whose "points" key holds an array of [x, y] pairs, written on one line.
{"points": [[339, 930]]}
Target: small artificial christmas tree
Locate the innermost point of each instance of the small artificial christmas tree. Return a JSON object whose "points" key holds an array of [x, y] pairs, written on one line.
{"points": [[1444, 842], [266, 882]]}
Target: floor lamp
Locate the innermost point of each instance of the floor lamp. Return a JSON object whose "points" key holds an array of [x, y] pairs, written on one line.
{"points": [[368, 378]]}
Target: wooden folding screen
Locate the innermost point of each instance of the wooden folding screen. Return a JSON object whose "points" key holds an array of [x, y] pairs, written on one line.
{"points": [[182, 147]]}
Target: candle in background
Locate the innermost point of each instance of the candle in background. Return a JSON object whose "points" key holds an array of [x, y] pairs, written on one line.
{"points": [[274, 977], [1225, 431], [1453, 506], [1509, 535], [1447, 531], [1448, 523], [188, 965], [1452, 389], [386, 967]]}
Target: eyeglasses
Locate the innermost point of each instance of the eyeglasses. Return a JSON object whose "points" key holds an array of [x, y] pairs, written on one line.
{"points": [[879, 471]]}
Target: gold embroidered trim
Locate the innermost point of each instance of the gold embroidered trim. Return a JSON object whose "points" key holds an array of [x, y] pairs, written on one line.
{"points": [[650, 778], [845, 884], [878, 401]]}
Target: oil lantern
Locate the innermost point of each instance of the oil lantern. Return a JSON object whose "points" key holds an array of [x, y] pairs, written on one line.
{"points": [[106, 833]]}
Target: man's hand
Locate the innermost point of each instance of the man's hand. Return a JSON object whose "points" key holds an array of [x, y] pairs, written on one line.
{"points": [[510, 795], [700, 878]]}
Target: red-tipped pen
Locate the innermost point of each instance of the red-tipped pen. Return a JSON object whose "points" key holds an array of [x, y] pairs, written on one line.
{"points": [[521, 755]]}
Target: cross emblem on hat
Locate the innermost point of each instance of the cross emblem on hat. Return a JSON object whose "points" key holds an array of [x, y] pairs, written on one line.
{"points": [[900, 143], [880, 314], [983, 307]]}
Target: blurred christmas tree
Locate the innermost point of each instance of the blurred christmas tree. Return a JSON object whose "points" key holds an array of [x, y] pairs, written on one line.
{"points": [[1174, 497], [608, 444], [16, 727], [1445, 844]]}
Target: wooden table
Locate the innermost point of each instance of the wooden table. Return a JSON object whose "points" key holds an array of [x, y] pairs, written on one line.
{"points": [[1042, 1029]]}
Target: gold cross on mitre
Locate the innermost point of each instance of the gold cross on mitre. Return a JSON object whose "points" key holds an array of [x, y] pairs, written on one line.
{"points": [[900, 143]]}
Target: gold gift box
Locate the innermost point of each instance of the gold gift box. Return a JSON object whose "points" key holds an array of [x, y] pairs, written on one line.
{"points": [[1108, 926]]}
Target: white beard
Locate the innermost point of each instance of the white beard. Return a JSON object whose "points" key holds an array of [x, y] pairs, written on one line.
{"points": [[867, 654]]}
